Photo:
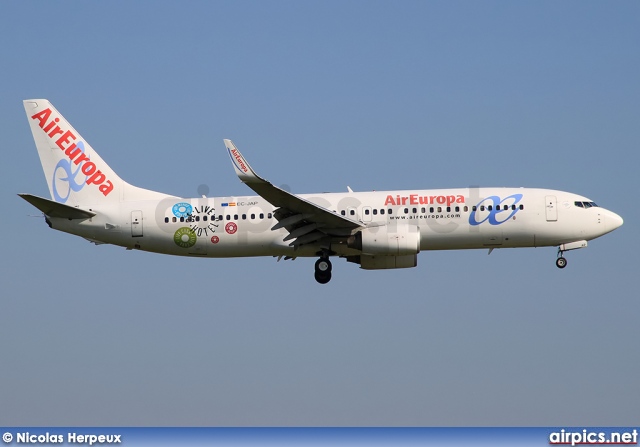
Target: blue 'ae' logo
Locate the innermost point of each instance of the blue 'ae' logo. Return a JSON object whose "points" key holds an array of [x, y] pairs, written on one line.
{"points": [[71, 183], [495, 210]]}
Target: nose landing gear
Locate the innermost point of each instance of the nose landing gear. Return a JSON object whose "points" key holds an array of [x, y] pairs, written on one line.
{"points": [[323, 270], [561, 262]]}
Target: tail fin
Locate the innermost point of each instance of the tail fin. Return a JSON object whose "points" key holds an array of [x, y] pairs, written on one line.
{"points": [[75, 173]]}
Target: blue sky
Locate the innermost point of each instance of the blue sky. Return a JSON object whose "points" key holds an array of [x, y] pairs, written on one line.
{"points": [[318, 96]]}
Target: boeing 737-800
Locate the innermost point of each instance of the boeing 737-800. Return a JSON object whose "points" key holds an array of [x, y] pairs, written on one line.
{"points": [[377, 230]]}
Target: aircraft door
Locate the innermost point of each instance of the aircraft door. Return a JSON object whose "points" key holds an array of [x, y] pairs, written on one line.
{"points": [[551, 208], [136, 223]]}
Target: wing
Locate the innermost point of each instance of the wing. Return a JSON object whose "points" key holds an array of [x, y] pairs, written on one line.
{"points": [[305, 221]]}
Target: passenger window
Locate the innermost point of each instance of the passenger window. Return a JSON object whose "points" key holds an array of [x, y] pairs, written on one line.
{"points": [[253, 216], [244, 217], [269, 215], [439, 209], [261, 215], [457, 209], [366, 212], [423, 210], [197, 218], [166, 220], [481, 207], [448, 209], [490, 207], [204, 218], [228, 217], [375, 212], [235, 217], [352, 212], [431, 209], [382, 211], [343, 213], [182, 219], [174, 219], [466, 208], [521, 207], [415, 210], [474, 208], [406, 210], [389, 211]]}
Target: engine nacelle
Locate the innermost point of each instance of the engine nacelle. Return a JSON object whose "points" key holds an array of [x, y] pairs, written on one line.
{"points": [[388, 240]]}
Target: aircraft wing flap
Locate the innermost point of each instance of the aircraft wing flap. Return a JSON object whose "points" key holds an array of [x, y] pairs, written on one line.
{"points": [[282, 199], [55, 209]]}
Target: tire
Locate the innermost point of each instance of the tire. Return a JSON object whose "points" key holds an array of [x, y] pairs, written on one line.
{"points": [[323, 277], [561, 263]]}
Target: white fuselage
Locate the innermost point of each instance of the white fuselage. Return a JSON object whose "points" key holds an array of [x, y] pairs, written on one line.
{"points": [[466, 218]]}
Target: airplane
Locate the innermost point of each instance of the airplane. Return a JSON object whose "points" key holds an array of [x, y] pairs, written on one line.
{"points": [[375, 229]]}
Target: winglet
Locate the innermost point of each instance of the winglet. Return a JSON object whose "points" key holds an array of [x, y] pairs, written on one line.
{"points": [[243, 170]]}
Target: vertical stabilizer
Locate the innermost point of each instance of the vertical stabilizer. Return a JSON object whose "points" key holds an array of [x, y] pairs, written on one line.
{"points": [[75, 173]]}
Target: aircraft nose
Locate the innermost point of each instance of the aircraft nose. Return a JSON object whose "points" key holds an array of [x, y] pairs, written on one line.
{"points": [[613, 221]]}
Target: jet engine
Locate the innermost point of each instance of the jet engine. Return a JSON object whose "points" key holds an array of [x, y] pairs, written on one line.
{"points": [[388, 240]]}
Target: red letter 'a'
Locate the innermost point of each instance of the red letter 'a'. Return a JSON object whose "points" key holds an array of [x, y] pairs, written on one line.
{"points": [[42, 116], [106, 188]]}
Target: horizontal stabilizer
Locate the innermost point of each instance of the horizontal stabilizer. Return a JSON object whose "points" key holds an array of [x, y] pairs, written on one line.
{"points": [[55, 209]]}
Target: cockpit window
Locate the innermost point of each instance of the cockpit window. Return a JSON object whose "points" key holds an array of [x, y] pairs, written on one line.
{"points": [[584, 204]]}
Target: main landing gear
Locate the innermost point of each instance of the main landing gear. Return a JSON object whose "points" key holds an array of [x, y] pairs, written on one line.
{"points": [[323, 270], [561, 262]]}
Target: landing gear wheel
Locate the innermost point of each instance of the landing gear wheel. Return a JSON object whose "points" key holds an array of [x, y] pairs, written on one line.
{"points": [[323, 277], [561, 262], [323, 270]]}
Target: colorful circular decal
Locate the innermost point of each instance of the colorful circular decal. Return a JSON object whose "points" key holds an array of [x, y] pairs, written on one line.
{"points": [[182, 209], [231, 228], [185, 237], [215, 239]]}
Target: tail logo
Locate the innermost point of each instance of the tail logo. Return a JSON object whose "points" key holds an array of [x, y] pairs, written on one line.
{"points": [[71, 183], [76, 154]]}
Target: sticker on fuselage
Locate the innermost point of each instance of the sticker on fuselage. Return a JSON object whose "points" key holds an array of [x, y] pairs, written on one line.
{"points": [[182, 209], [231, 228], [185, 237]]}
